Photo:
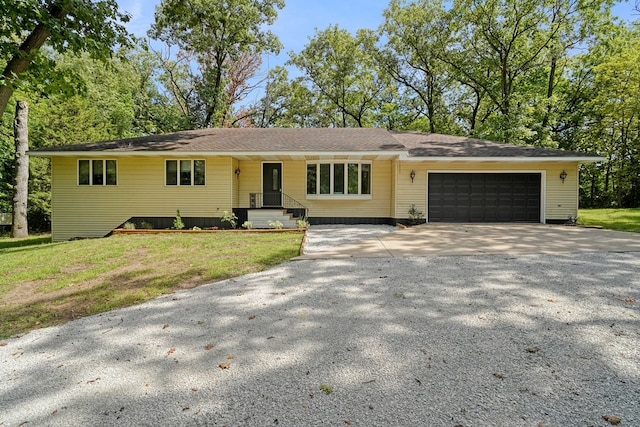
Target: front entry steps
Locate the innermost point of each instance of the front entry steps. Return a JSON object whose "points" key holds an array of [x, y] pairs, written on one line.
{"points": [[260, 218]]}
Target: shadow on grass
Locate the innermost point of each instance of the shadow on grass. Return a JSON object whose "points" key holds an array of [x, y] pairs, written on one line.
{"points": [[8, 243]]}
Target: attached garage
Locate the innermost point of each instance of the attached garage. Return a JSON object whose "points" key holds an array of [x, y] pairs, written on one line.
{"points": [[484, 197]]}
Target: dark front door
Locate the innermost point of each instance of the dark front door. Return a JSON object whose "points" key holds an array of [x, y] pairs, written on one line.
{"points": [[484, 197], [272, 185]]}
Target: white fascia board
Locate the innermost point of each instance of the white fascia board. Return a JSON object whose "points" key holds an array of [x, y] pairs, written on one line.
{"points": [[504, 159], [209, 153]]}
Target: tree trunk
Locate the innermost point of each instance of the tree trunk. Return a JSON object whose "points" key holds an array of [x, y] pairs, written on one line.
{"points": [[20, 229], [550, 85]]}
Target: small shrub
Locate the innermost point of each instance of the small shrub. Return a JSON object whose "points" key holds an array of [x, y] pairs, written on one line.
{"points": [[146, 225], [129, 226], [416, 216], [230, 218], [177, 223], [326, 388], [248, 225], [277, 225], [302, 224]]}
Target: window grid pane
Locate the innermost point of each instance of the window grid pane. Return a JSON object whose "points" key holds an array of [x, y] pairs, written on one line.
{"points": [[199, 172], [353, 178], [325, 178], [112, 172], [84, 172], [365, 178], [185, 172], [172, 172], [312, 187], [338, 178], [97, 172]]}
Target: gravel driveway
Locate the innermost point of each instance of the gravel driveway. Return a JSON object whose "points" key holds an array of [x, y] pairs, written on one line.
{"points": [[551, 340]]}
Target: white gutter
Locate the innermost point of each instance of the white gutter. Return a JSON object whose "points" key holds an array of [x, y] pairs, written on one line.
{"points": [[402, 155], [148, 153], [503, 159]]}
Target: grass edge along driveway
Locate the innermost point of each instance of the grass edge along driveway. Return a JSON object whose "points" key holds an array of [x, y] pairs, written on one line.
{"points": [[612, 219], [44, 284]]}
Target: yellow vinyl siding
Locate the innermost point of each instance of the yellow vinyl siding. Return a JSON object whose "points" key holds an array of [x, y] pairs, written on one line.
{"points": [[560, 201], [93, 211], [250, 181], [562, 198]]}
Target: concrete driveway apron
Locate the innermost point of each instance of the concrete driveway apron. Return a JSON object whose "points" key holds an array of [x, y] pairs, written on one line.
{"points": [[478, 239]]}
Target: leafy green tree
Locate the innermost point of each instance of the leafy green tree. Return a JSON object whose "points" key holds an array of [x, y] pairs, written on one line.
{"points": [[615, 118], [336, 65], [513, 51], [111, 99], [215, 35], [416, 34], [288, 103], [66, 25]]}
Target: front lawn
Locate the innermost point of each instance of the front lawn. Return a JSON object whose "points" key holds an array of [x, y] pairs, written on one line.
{"points": [[44, 283], [613, 219]]}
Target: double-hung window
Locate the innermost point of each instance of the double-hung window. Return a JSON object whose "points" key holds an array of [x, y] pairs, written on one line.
{"points": [[185, 172], [339, 179], [97, 172]]}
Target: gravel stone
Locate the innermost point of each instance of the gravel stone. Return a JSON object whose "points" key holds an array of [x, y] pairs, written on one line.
{"points": [[400, 341]]}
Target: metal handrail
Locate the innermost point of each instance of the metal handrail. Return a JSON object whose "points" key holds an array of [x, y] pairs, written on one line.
{"points": [[256, 201]]}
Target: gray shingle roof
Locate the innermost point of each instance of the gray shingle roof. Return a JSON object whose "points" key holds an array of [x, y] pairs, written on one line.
{"points": [[436, 145], [317, 141], [252, 140]]}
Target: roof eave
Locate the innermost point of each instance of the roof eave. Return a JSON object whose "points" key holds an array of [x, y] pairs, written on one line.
{"points": [[148, 153], [507, 159]]}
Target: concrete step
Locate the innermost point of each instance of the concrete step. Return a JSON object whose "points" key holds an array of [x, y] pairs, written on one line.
{"points": [[260, 218]]}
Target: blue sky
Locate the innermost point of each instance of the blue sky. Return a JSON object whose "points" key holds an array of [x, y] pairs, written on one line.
{"points": [[296, 22], [300, 18]]}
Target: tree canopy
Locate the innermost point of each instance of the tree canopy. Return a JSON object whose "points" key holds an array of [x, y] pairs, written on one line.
{"points": [[95, 27], [217, 35]]}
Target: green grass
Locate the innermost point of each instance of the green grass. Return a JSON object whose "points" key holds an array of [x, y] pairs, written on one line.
{"points": [[613, 219], [44, 283]]}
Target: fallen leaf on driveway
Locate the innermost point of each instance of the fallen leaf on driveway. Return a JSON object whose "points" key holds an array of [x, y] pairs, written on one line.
{"points": [[630, 300], [533, 349], [171, 351], [93, 381], [208, 346], [253, 316], [224, 365], [166, 325], [612, 419]]}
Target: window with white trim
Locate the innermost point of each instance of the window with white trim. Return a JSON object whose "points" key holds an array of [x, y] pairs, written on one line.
{"points": [[339, 179], [97, 172], [185, 172]]}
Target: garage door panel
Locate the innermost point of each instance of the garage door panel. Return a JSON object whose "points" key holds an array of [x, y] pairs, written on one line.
{"points": [[484, 197]]}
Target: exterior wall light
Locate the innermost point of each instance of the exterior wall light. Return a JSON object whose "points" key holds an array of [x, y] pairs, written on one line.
{"points": [[237, 172], [563, 176], [412, 175]]}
